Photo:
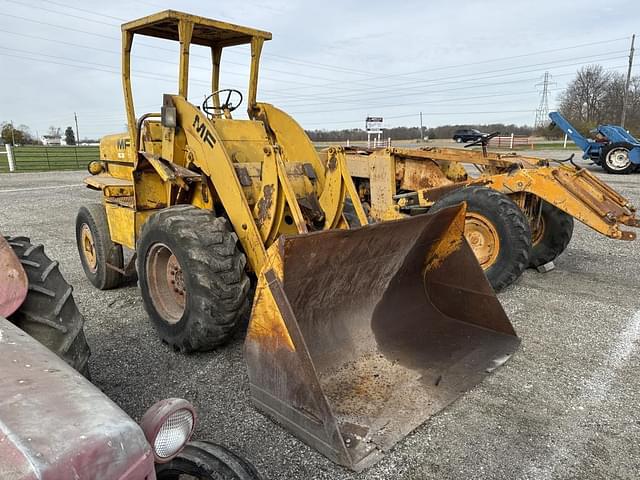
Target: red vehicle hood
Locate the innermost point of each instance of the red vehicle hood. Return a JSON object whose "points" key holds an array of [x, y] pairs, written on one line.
{"points": [[54, 424]]}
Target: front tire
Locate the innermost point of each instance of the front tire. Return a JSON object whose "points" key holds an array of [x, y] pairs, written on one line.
{"points": [[192, 277], [96, 249], [551, 237], [207, 461], [497, 231], [49, 314], [614, 158]]}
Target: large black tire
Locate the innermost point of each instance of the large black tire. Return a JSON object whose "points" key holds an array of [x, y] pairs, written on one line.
{"points": [[557, 229], [207, 461], [610, 153], [94, 218], [49, 313], [507, 221], [209, 277]]}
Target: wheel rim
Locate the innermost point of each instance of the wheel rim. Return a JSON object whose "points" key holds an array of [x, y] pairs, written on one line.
{"points": [[166, 284], [618, 158], [88, 247], [483, 239]]}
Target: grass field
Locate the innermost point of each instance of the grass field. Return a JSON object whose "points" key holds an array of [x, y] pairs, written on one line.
{"points": [[40, 158]]}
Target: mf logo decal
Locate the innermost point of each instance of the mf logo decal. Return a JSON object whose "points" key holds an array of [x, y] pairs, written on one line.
{"points": [[123, 143], [203, 131]]}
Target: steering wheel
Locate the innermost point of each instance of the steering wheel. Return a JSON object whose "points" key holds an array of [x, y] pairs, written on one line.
{"points": [[227, 105], [484, 140]]}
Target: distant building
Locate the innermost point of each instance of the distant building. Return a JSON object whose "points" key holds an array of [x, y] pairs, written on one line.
{"points": [[52, 140]]}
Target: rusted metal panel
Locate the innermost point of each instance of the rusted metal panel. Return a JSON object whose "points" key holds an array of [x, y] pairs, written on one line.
{"points": [[14, 283], [54, 424], [419, 174], [373, 338]]}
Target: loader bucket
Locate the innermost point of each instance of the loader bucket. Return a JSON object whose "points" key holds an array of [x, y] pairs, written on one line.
{"points": [[13, 280], [358, 336]]}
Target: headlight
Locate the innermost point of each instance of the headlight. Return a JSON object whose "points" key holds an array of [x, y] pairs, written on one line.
{"points": [[168, 426], [174, 433], [95, 167]]}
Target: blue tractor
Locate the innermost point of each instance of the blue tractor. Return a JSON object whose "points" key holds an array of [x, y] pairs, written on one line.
{"points": [[614, 149]]}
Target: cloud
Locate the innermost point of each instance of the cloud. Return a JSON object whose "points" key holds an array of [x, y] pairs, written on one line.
{"points": [[330, 63]]}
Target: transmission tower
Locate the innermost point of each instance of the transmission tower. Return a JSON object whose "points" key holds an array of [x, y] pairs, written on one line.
{"points": [[542, 113]]}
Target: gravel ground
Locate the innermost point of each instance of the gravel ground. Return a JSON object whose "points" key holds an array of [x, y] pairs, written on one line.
{"points": [[565, 406]]}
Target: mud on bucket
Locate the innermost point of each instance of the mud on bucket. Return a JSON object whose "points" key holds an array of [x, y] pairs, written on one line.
{"points": [[358, 336]]}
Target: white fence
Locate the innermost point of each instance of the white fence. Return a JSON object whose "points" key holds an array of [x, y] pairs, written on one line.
{"points": [[8, 151], [510, 141]]}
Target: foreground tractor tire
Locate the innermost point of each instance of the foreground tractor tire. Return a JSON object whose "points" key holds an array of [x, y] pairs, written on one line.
{"points": [[192, 277], [207, 461], [497, 231], [49, 313], [552, 236], [614, 158], [96, 249]]}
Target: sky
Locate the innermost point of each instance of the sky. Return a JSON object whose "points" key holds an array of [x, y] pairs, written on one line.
{"points": [[330, 63]]}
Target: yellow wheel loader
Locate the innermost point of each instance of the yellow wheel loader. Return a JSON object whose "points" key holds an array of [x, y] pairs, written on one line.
{"points": [[355, 336], [520, 210]]}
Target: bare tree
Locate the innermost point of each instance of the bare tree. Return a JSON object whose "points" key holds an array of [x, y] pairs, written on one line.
{"points": [[585, 97]]}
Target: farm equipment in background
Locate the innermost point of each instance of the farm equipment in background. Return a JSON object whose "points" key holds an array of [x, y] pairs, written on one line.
{"points": [[355, 337], [614, 149], [520, 210]]}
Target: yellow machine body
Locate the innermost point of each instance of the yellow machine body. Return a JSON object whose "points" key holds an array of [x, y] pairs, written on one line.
{"points": [[399, 179], [415, 311]]}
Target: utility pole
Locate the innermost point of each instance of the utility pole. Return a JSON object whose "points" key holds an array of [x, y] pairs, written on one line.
{"points": [[13, 137], [77, 134], [421, 130], [626, 86]]}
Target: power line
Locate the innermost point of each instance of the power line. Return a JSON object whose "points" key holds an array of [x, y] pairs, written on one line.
{"points": [[446, 67], [110, 24], [288, 95], [476, 77], [335, 98], [158, 60], [334, 68]]}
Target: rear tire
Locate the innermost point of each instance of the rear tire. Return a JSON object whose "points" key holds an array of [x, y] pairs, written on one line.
{"points": [[192, 277], [496, 230], [49, 313], [206, 460], [548, 244], [96, 248], [612, 158]]}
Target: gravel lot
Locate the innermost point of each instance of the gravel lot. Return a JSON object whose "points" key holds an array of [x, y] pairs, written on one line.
{"points": [[567, 405]]}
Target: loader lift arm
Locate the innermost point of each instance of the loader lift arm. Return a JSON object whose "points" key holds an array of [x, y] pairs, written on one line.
{"points": [[576, 192], [399, 182]]}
